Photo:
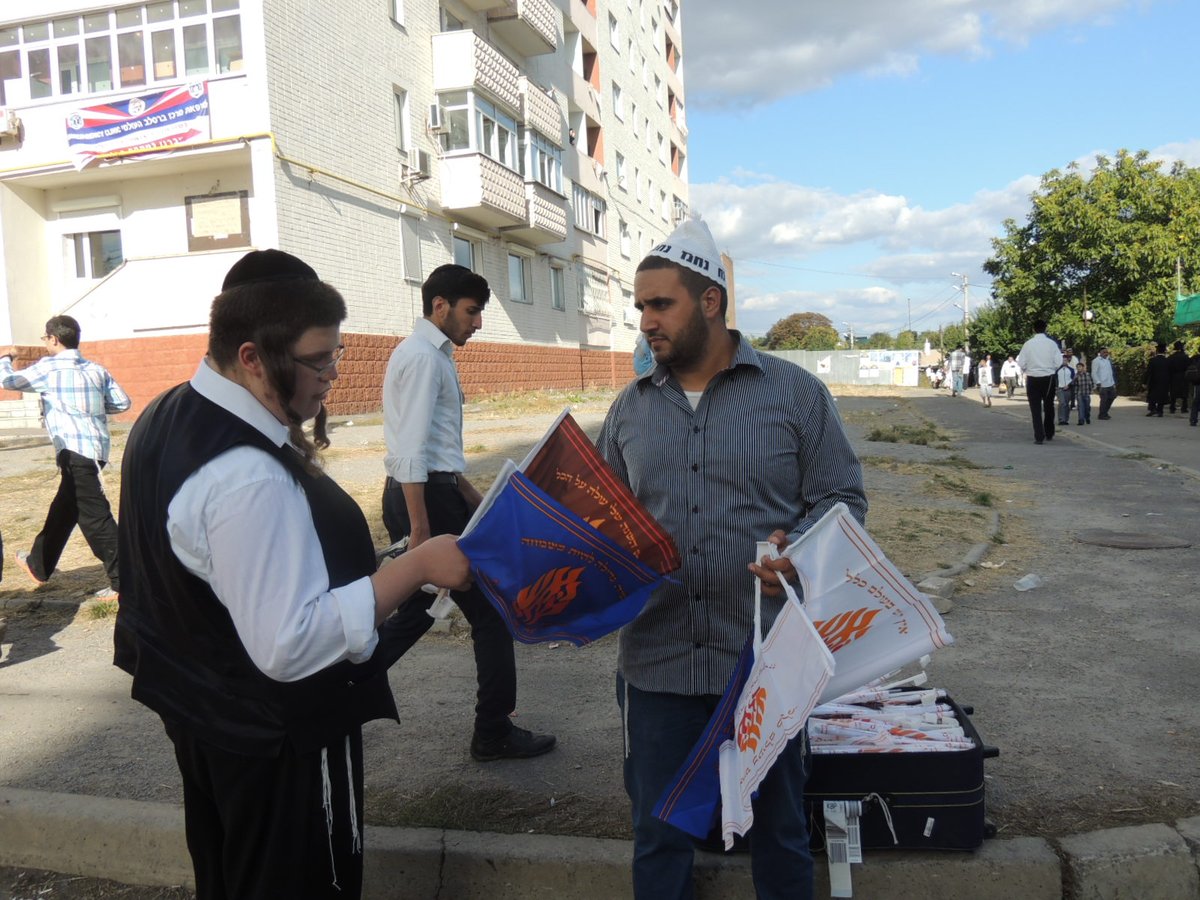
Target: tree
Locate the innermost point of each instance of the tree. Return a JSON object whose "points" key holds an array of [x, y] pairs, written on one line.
{"points": [[879, 340], [802, 331], [1104, 241]]}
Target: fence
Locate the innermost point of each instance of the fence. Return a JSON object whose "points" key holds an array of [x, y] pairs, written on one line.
{"points": [[891, 367]]}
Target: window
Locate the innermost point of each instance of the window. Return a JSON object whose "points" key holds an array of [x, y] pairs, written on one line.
{"points": [[92, 254], [662, 149], [476, 123], [618, 100], [621, 180], [410, 248], [400, 114], [558, 288], [666, 211], [396, 11], [541, 161], [623, 227], [633, 112], [658, 91], [614, 32], [632, 58], [652, 208], [466, 253], [590, 211], [134, 46], [520, 283]]}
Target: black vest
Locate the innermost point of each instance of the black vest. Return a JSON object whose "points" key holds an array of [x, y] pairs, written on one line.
{"points": [[176, 638]]}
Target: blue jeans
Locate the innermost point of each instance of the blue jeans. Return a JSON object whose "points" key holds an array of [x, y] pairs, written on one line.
{"points": [[1085, 407], [660, 730], [1064, 406], [956, 383]]}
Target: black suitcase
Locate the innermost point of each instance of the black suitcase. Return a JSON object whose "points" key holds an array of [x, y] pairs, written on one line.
{"points": [[912, 801]]}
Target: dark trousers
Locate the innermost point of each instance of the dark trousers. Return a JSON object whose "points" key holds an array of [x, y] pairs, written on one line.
{"points": [[1195, 404], [261, 828], [1039, 390], [661, 730], [1107, 396], [495, 660], [80, 501]]}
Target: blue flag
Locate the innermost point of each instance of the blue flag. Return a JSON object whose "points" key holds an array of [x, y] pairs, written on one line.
{"points": [[693, 798], [550, 574]]}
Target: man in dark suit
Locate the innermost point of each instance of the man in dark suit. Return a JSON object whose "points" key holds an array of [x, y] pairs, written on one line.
{"points": [[1158, 381], [1177, 364]]}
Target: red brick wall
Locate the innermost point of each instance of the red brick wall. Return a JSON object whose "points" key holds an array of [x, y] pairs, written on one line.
{"points": [[145, 367]]}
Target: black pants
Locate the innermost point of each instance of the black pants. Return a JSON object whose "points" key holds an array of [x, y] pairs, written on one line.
{"points": [[1039, 390], [1107, 396], [495, 661], [263, 828], [80, 501]]}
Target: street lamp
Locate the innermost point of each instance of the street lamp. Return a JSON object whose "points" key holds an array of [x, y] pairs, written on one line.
{"points": [[966, 307]]}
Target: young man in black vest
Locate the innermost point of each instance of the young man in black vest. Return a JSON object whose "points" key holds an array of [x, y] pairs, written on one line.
{"points": [[250, 598]]}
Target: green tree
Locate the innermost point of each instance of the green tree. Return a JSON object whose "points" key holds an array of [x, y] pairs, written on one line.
{"points": [[802, 331], [907, 340], [1105, 241], [879, 340]]}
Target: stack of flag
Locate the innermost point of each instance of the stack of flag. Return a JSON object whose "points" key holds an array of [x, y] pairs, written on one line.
{"points": [[561, 547]]}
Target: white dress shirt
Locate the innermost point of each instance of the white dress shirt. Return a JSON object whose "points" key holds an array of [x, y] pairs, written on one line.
{"points": [[422, 407], [243, 525], [1102, 372], [1040, 356]]}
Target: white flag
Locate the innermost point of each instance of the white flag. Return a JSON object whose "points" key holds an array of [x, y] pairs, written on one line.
{"points": [[791, 668], [870, 616]]}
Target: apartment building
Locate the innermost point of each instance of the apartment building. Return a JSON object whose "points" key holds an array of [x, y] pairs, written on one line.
{"points": [[145, 147]]}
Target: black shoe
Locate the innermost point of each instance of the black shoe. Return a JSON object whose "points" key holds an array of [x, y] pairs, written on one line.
{"points": [[519, 743], [1149, 414], [1037, 442], [1103, 417]]}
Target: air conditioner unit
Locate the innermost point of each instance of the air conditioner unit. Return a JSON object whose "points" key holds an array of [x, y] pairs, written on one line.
{"points": [[10, 125], [437, 122], [424, 164]]}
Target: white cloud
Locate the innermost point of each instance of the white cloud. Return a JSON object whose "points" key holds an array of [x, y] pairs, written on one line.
{"points": [[777, 48]]}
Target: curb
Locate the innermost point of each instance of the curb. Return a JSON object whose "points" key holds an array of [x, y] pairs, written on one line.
{"points": [[143, 843]]}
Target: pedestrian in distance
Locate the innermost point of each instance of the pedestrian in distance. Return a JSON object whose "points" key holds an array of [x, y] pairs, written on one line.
{"points": [[1039, 359], [1157, 381], [713, 405], [958, 359], [984, 377], [1064, 377], [1010, 374], [77, 397], [426, 493], [1082, 387], [1104, 376], [1177, 364], [250, 595], [1192, 374]]}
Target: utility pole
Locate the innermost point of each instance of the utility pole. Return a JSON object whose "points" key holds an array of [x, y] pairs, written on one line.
{"points": [[966, 308], [850, 331]]}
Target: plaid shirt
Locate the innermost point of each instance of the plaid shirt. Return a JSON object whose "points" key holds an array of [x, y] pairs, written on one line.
{"points": [[1084, 384], [77, 397]]}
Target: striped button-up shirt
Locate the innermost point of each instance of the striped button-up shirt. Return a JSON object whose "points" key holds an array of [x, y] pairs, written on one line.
{"points": [[763, 450], [77, 398]]}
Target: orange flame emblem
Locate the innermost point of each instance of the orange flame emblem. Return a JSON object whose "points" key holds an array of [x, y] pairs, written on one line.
{"points": [[549, 595], [845, 627], [749, 728]]}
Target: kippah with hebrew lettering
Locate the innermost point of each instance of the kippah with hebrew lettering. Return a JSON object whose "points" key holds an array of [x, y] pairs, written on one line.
{"points": [[692, 245]]}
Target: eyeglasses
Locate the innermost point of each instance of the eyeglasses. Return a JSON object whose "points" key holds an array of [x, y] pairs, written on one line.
{"points": [[324, 368]]}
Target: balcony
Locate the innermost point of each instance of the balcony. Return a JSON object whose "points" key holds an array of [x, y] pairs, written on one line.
{"points": [[477, 190], [546, 216], [482, 5], [541, 113], [461, 60], [531, 27]]}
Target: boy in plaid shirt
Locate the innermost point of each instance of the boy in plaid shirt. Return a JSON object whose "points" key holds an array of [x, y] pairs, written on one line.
{"points": [[1084, 385]]}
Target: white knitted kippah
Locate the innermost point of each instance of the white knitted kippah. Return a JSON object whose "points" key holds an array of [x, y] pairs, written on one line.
{"points": [[692, 245]]}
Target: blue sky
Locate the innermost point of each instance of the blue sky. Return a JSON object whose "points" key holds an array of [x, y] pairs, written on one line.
{"points": [[851, 154]]}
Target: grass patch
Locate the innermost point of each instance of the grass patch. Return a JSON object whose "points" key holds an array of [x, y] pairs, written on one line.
{"points": [[1134, 455], [102, 609], [984, 498], [960, 462], [924, 434]]}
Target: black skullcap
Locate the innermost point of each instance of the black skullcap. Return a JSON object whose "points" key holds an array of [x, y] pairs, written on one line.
{"points": [[268, 265]]}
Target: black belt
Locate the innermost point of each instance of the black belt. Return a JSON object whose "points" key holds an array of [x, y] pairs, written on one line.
{"points": [[441, 478]]}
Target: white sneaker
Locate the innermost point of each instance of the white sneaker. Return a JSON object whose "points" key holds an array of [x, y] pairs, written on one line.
{"points": [[106, 594]]}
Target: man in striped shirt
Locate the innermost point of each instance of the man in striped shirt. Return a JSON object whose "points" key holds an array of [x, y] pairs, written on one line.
{"points": [[725, 447], [77, 398]]}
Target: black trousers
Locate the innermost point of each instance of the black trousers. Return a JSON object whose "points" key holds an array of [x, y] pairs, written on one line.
{"points": [[1039, 391], [265, 828], [80, 501], [495, 660]]}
